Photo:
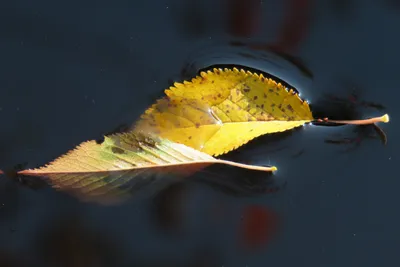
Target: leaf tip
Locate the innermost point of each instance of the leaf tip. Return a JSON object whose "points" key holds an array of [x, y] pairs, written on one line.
{"points": [[27, 172], [274, 169]]}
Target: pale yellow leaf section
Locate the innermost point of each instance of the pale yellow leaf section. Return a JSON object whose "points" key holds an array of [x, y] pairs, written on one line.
{"points": [[221, 110], [123, 163]]}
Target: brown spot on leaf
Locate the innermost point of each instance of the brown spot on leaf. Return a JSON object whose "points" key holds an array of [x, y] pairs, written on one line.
{"points": [[117, 150], [255, 97], [197, 125], [265, 95], [162, 105], [262, 105], [190, 137], [271, 90], [149, 141], [289, 107]]}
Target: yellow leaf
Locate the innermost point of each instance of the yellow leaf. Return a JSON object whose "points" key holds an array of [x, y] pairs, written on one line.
{"points": [[221, 110], [112, 170]]}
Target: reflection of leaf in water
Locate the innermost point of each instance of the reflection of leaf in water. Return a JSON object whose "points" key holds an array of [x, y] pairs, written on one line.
{"points": [[167, 207], [348, 107], [362, 133], [123, 163], [239, 182]]}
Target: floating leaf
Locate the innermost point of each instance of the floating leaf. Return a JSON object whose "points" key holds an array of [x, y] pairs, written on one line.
{"points": [[112, 170], [224, 109], [221, 110]]}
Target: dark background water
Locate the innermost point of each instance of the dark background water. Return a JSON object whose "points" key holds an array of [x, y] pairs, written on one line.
{"points": [[71, 71]]}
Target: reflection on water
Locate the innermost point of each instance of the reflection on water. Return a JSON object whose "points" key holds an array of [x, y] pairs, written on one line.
{"points": [[252, 56]]}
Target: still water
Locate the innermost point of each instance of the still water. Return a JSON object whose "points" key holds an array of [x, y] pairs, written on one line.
{"points": [[73, 71]]}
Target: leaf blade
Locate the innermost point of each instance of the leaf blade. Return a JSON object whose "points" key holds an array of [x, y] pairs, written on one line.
{"points": [[222, 110], [110, 171]]}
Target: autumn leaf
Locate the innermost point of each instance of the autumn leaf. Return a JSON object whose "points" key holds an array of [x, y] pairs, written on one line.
{"points": [[112, 170], [221, 110]]}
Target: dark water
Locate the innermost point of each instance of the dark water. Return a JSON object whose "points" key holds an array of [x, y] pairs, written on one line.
{"points": [[71, 71]]}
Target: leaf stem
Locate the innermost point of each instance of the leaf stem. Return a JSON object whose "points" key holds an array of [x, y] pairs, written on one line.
{"points": [[246, 166], [384, 118]]}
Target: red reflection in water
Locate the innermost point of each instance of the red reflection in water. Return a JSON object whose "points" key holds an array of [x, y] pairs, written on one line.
{"points": [[259, 225], [244, 17], [295, 25]]}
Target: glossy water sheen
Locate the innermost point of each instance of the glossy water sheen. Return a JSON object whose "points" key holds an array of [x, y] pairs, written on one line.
{"points": [[71, 71]]}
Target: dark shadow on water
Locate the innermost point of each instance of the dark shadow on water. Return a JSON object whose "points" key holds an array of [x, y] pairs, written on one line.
{"points": [[69, 243], [296, 61], [240, 182], [9, 259], [236, 53]]}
